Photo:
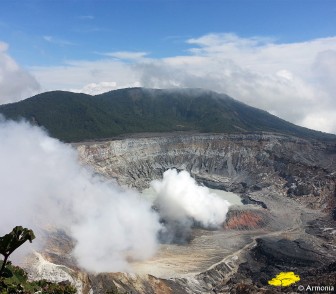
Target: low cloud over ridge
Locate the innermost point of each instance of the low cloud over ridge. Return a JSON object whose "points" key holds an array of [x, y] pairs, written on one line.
{"points": [[295, 81]]}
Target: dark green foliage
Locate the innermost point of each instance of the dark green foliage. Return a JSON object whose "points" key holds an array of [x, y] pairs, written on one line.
{"points": [[13, 279], [76, 117], [56, 288], [15, 239], [11, 242]]}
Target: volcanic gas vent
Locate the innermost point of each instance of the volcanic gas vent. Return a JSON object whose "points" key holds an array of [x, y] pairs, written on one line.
{"points": [[183, 204]]}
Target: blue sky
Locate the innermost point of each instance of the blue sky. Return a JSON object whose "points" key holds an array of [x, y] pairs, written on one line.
{"points": [[276, 55], [46, 32]]}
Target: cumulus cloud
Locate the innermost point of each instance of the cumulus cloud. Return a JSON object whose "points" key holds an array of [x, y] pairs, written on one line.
{"points": [[295, 81], [15, 82], [42, 184], [324, 69], [279, 78]]}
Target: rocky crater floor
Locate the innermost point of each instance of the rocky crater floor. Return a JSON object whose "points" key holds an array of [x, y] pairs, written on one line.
{"points": [[287, 222]]}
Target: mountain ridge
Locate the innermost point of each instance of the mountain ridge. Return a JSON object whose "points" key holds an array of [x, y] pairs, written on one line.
{"points": [[75, 117]]}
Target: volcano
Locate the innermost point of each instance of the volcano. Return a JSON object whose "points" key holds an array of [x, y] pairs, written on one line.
{"points": [[283, 174]]}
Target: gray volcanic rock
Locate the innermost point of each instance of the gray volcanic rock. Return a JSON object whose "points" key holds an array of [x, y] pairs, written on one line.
{"points": [[286, 253], [238, 163], [271, 256]]}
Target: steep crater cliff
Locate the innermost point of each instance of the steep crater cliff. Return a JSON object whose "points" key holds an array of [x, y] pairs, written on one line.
{"points": [[302, 169]]}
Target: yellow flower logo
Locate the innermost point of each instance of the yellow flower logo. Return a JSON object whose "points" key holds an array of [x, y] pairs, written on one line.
{"points": [[284, 279]]}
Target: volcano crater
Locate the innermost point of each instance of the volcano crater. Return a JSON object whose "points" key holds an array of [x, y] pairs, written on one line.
{"points": [[285, 184]]}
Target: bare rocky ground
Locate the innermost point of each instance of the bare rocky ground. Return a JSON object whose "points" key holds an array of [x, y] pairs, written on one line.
{"points": [[287, 222]]}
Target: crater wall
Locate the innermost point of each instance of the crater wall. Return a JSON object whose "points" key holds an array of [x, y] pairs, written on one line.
{"points": [[302, 169]]}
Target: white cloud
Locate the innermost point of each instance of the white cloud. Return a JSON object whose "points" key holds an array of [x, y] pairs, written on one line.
{"points": [[15, 82], [81, 75], [97, 88], [321, 120], [294, 81], [324, 69], [128, 55]]}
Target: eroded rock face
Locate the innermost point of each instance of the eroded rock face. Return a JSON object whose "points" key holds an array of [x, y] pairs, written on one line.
{"points": [[238, 163]]}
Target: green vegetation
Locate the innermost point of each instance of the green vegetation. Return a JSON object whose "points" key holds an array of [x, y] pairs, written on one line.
{"points": [[13, 279], [74, 117], [10, 242]]}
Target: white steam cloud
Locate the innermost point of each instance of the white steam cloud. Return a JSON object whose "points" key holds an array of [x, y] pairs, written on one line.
{"points": [[182, 203], [43, 184]]}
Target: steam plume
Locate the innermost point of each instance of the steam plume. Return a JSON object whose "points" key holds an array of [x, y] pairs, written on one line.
{"points": [[42, 183], [182, 203]]}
